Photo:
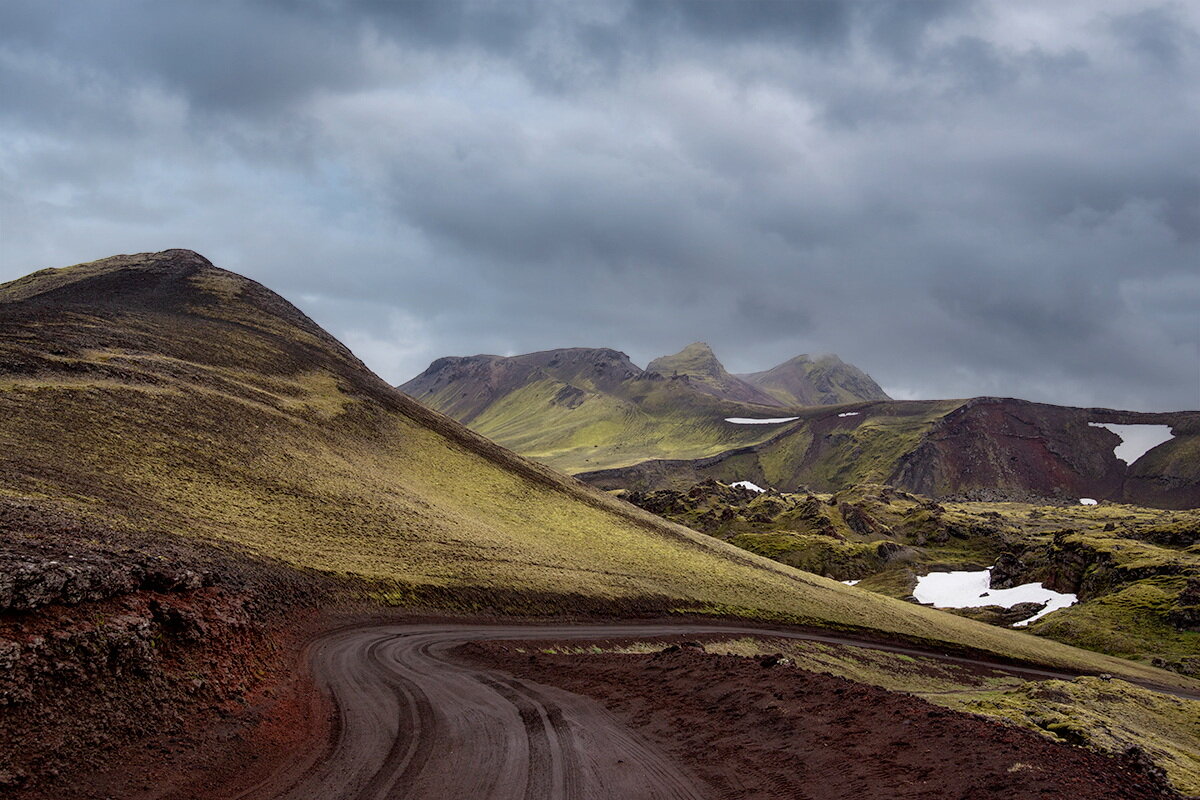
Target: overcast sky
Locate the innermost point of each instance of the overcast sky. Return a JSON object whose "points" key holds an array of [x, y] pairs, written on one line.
{"points": [[962, 198]]}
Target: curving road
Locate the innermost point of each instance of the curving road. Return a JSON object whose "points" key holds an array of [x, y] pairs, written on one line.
{"points": [[413, 723]]}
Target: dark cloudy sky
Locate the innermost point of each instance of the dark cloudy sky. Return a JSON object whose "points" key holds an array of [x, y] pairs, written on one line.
{"points": [[960, 197]]}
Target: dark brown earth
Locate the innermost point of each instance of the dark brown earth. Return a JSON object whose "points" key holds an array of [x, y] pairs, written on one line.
{"points": [[751, 731], [449, 710]]}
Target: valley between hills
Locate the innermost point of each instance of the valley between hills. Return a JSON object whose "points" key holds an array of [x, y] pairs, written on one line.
{"points": [[236, 563]]}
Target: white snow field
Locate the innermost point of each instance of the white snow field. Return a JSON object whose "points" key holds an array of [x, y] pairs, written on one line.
{"points": [[849, 414], [968, 590], [754, 487], [1136, 440], [1087, 501], [748, 421]]}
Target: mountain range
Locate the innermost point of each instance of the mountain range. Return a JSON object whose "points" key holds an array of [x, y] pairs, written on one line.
{"points": [[822, 425]]}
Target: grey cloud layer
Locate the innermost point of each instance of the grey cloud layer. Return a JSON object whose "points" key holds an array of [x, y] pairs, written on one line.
{"points": [[962, 198]]}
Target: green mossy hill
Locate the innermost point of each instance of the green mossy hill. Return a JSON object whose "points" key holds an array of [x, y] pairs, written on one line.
{"points": [[582, 409], [586, 409], [467, 387], [159, 393], [1137, 599], [826, 380], [1134, 570], [860, 533]]}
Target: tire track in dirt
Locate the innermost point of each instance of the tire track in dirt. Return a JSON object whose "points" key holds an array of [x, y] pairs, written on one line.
{"points": [[412, 722]]}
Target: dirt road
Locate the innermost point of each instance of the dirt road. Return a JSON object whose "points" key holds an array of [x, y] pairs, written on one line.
{"points": [[415, 723]]}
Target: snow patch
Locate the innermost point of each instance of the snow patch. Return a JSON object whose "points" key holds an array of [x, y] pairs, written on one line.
{"points": [[1136, 440], [748, 421], [754, 487], [968, 590], [851, 583], [849, 414], [1086, 501]]}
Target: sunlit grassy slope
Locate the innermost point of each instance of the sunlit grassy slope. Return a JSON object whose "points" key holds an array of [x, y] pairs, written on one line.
{"points": [[656, 419], [164, 394]]}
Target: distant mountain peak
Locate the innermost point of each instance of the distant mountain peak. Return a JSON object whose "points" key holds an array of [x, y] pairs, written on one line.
{"points": [[696, 357], [707, 374], [823, 380]]}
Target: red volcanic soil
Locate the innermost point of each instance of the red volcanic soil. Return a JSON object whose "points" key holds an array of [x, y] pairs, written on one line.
{"points": [[696, 725], [185, 747], [751, 731]]}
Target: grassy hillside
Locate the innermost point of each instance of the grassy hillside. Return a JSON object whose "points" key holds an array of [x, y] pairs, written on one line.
{"points": [[585, 409], [158, 393], [652, 418], [826, 448]]}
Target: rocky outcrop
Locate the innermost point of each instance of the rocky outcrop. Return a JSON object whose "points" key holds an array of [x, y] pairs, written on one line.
{"points": [[1185, 614], [999, 615], [1088, 565], [108, 634], [29, 584]]}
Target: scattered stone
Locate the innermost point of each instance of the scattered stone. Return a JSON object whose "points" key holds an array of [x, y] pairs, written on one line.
{"points": [[774, 660]]}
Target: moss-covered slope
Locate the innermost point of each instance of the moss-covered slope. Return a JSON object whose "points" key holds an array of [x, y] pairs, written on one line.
{"points": [[1135, 571], [585, 409]]}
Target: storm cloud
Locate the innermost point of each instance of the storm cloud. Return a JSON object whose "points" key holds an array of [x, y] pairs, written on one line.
{"points": [[994, 197]]}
